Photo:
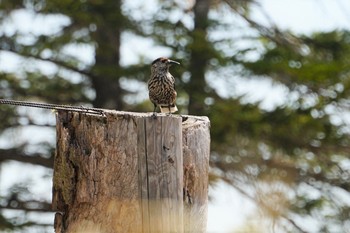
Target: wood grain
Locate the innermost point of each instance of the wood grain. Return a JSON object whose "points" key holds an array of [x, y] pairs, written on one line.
{"points": [[125, 172], [162, 164], [196, 152]]}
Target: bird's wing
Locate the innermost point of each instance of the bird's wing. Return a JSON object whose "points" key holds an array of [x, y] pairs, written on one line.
{"points": [[173, 80]]}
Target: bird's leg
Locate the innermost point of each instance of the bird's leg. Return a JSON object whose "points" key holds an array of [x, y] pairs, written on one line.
{"points": [[169, 109], [154, 111]]}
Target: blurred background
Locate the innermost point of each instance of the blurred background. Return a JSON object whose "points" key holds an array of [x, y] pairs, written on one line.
{"points": [[273, 76]]}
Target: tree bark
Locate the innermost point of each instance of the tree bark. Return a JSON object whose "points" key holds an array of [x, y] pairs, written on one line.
{"points": [[196, 151], [107, 70], [124, 172], [200, 55]]}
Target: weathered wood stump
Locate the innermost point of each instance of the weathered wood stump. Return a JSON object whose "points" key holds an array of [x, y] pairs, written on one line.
{"points": [[129, 172]]}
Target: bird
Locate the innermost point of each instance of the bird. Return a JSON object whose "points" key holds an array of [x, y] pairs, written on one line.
{"points": [[161, 86]]}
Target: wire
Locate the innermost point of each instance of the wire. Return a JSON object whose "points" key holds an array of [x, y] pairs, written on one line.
{"points": [[60, 107]]}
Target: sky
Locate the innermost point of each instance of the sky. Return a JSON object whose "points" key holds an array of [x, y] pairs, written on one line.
{"points": [[228, 210], [302, 17], [305, 16]]}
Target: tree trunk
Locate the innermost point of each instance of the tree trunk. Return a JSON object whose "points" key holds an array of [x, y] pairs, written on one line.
{"points": [[107, 70], [196, 151], [124, 172], [200, 55]]}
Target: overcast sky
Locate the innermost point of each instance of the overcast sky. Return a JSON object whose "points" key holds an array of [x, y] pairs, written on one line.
{"points": [[229, 209]]}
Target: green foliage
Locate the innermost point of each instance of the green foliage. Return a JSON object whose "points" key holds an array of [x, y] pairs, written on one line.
{"points": [[301, 138], [276, 157]]}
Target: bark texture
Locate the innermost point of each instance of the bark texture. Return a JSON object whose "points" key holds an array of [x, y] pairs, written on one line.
{"points": [[196, 151], [124, 172]]}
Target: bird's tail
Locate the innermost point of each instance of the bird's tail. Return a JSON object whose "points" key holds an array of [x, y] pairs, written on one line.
{"points": [[167, 109]]}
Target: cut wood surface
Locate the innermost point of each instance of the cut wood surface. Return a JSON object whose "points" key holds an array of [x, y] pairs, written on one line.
{"points": [[161, 185], [196, 151], [128, 172]]}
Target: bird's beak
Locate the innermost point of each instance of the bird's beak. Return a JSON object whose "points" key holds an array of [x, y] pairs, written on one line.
{"points": [[173, 62]]}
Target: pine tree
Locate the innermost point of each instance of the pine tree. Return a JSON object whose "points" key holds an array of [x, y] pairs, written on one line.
{"points": [[274, 156]]}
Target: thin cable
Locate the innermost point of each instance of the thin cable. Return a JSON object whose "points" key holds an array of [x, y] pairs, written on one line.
{"points": [[61, 107]]}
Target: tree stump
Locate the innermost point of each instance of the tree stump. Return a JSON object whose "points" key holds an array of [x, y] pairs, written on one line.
{"points": [[196, 151], [129, 172]]}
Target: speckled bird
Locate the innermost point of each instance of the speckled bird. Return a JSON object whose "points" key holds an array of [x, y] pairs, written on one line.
{"points": [[161, 86]]}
